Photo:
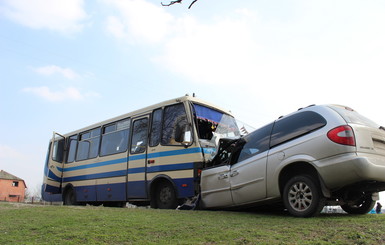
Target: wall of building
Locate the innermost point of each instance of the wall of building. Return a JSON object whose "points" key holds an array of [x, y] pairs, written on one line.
{"points": [[12, 190]]}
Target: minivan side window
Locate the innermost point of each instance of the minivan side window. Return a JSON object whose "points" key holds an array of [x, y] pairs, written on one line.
{"points": [[256, 142], [295, 126]]}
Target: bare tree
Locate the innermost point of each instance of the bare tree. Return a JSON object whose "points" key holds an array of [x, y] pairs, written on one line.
{"points": [[178, 1], [33, 194]]}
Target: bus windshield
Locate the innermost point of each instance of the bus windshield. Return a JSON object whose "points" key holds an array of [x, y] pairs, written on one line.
{"points": [[213, 125]]}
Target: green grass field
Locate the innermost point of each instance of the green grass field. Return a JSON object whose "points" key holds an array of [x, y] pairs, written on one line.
{"points": [[33, 224]]}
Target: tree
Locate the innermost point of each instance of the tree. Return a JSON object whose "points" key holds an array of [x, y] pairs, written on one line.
{"points": [[178, 1], [33, 194]]}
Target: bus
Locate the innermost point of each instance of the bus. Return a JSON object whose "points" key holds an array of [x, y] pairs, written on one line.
{"points": [[152, 156]]}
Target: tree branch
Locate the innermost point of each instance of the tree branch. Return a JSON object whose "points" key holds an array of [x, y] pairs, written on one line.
{"points": [[171, 3], [178, 1]]}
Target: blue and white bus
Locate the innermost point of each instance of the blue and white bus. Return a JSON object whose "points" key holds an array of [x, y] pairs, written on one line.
{"points": [[152, 156]]}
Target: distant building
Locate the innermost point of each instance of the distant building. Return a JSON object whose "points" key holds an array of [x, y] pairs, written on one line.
{"points": [[12, 188]]}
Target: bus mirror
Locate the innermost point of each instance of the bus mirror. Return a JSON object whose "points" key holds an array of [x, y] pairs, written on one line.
{"points": [[187, 138]]}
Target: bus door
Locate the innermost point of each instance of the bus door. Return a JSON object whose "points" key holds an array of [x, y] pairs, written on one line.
{"points": [[137, 160], [54, 164]]}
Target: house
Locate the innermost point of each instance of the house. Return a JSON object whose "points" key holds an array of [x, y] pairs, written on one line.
{"points": [[12, 188]]}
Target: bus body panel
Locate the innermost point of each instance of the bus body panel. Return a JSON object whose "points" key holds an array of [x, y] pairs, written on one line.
{"points": [[117, 174]]}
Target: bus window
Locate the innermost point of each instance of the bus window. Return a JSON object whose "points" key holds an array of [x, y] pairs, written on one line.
{"points": [[58, 150], [88, 145], [139, 136], [212, 123], [175, 125], [73, 142], [115, 138], [156, 127]]}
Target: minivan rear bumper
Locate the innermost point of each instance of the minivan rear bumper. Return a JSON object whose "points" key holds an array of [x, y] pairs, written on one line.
{"points": [[346, 169]]}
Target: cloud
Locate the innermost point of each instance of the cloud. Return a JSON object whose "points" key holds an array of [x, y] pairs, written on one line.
{"points": [[139, 21], [220, 52], [53, 69], [57, 15], [69, 93]]}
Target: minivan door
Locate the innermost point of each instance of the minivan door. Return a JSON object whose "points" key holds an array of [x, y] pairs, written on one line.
{"points": [[248, 179], [248, 172], [215, 187]]}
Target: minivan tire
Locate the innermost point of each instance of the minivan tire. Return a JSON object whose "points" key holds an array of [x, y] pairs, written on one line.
{"points": [[364, 206], [303, 197]]}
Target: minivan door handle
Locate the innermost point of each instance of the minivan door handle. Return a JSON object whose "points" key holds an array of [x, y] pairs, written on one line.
{"points": [[223, 176], [234, 173]]}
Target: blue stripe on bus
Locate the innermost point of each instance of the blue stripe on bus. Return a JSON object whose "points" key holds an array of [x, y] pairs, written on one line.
{"points": [[96, 176], [136, 170], [53, 176], [152, 169], [94, 165], [175, 152], [170, 167], [132, 158], [133, 190], [161, 168]]}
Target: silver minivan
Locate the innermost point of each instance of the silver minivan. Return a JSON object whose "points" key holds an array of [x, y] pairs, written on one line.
{"points": [[316, 156]]}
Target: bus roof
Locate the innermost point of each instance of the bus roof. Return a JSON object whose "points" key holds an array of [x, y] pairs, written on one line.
{"points": [[148, 109]]}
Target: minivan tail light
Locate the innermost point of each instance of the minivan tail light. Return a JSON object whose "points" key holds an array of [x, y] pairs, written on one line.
{"points": [[343, 135]]}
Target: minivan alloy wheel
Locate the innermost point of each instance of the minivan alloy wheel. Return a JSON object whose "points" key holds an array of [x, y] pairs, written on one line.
{"points": [[302, 196]]}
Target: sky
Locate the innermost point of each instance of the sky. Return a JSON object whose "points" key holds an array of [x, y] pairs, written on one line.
{"points": [[67, 64]]}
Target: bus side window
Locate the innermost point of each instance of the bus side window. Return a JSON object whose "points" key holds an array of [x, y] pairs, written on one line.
{"points": [[115, 138], [58, 150], [73, 142], [156, 127], [139, 136], [175, 125], [88, 145]]}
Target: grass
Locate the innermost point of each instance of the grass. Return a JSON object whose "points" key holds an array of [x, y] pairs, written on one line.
{"points": [[29, 224]]}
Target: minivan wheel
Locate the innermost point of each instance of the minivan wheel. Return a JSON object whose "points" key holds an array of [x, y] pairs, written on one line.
{"points": [[363, 206], [303, 197]]}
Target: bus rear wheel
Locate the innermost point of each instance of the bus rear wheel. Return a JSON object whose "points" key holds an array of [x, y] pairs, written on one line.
{"points": [[166, 196], [69, 197]]}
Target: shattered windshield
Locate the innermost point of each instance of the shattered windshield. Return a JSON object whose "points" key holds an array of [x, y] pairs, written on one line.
{"points": [[213, 125]]}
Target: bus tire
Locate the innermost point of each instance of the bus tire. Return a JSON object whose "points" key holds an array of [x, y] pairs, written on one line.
{"points": [[69, 197], [165, 196]]}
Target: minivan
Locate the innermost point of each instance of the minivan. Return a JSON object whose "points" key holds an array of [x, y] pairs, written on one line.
{"points": [[319, 155]]}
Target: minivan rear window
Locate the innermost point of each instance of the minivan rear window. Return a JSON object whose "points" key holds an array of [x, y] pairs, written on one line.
{"points": [[296, 125], [351, 116]]}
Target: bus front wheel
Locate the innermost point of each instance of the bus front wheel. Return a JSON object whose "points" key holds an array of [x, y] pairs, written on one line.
{"points": [[166, 196]]}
